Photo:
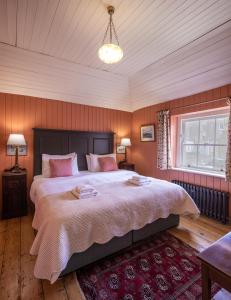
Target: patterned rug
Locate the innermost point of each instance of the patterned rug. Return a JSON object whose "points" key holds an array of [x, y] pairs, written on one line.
{"points": [[162, 267]]}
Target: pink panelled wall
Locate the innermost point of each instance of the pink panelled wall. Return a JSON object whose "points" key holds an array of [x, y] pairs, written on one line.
{"points": [[144, 153], [22, 113], [19, 114]]}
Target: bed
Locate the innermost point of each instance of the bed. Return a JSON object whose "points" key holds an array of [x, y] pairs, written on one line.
{"points": [[73, 233]]}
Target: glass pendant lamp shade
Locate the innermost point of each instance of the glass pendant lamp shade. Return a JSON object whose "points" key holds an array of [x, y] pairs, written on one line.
{"points": [[110, 53]]}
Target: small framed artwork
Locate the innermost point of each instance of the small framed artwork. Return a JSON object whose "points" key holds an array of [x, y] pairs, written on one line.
{"points": [[120, 149], [147, 133], [11, 150]]}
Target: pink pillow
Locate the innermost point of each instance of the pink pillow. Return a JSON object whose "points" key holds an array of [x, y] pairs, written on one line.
{"points": [[94, 162], [46, 165], [61, 167], [107, 163]]}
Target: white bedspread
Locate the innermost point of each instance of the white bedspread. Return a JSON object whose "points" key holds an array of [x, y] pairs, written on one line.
{"points": [[66, 225]]}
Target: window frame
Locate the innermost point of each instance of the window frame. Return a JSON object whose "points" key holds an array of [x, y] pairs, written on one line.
{"points": [[179, 142]]}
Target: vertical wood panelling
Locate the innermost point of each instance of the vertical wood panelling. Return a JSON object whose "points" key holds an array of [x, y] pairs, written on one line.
{"points": [[22, 113], [142, 151]]}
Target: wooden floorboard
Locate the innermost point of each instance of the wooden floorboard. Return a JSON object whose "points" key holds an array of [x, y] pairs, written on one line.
{"points": [[54, 291], [31, 288], [10, 275], [199, 233], [70, 282], [201, 230], [3, 227], [16, 264]]}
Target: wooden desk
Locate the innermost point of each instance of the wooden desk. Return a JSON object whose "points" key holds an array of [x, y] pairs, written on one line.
{"points": [[216, 265]]}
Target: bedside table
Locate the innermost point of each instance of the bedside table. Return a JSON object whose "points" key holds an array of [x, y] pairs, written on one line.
{"points": [[126, 166], [14, 198]]}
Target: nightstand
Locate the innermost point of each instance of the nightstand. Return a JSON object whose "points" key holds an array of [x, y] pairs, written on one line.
{"points": [[14, 194], [127, 166]]}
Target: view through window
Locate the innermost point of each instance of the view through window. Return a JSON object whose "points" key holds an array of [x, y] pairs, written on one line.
{"points": [[203, 143]]}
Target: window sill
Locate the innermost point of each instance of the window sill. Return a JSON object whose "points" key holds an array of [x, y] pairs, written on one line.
{"points": [[199, 172]]}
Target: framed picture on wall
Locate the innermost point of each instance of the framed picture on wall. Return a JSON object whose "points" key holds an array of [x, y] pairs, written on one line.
{"points": [[147, 133], [10, 150], [120, 149]]}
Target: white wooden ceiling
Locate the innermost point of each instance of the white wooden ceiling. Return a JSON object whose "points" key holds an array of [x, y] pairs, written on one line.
{"points": [[172, 48]]}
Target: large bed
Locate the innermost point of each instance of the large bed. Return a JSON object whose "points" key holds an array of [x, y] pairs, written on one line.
{"points": [[72, 233]]}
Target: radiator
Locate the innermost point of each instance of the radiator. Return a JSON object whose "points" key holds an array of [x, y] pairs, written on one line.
{"points": [[212, 203]]}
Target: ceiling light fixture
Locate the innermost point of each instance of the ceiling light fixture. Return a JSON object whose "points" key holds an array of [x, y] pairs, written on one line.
{"points": [[110, 53]]}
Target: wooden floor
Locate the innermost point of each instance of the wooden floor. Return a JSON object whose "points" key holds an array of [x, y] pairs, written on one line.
{"points": [[16, 265]]}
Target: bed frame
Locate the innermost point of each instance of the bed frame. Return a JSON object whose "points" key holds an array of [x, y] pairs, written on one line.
{"points": [[52, 141]]}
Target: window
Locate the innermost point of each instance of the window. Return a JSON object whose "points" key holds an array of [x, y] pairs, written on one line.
{"points": [[203, 142]]}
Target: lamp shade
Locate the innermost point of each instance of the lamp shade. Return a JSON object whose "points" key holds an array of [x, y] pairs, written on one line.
{"points": [[16, 139], [126, 142]]}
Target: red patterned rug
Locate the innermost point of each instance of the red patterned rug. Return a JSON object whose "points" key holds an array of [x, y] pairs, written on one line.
{"points": [[162, 267]]}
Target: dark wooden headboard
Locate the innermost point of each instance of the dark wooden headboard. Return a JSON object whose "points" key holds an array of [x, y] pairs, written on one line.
{"points": [[52, 141]]}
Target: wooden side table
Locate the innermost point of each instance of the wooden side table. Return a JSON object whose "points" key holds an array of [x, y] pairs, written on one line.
{"points": [[216, 265], [127, 166], [14, 194]]}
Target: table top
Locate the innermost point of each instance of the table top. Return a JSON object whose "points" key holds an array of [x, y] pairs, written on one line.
{"points": [[125, 163], [8, 173], [218, 255]]}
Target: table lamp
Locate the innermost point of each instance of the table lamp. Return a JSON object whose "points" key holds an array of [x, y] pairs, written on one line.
{"points": [[126, 142], [16, 140]]}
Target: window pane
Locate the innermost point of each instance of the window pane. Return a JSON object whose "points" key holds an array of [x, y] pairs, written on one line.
{"points": [[207, 131], [220, 157], [205, 157], [189, 155], [203, 142], [221, 130], [191, 132]]}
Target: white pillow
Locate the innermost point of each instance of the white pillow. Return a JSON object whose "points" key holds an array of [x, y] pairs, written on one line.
{"points": [[46, 164], [94, 163], [88, 162], [36, 177]]}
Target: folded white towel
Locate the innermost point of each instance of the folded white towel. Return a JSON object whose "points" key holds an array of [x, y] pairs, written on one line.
{"points": [[84, 195], [140, 179], [84, 188], [136, 182]]}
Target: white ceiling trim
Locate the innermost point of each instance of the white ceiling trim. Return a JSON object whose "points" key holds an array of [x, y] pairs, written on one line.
{"points": [[39, 75], [172, 49], [192, 69]]}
